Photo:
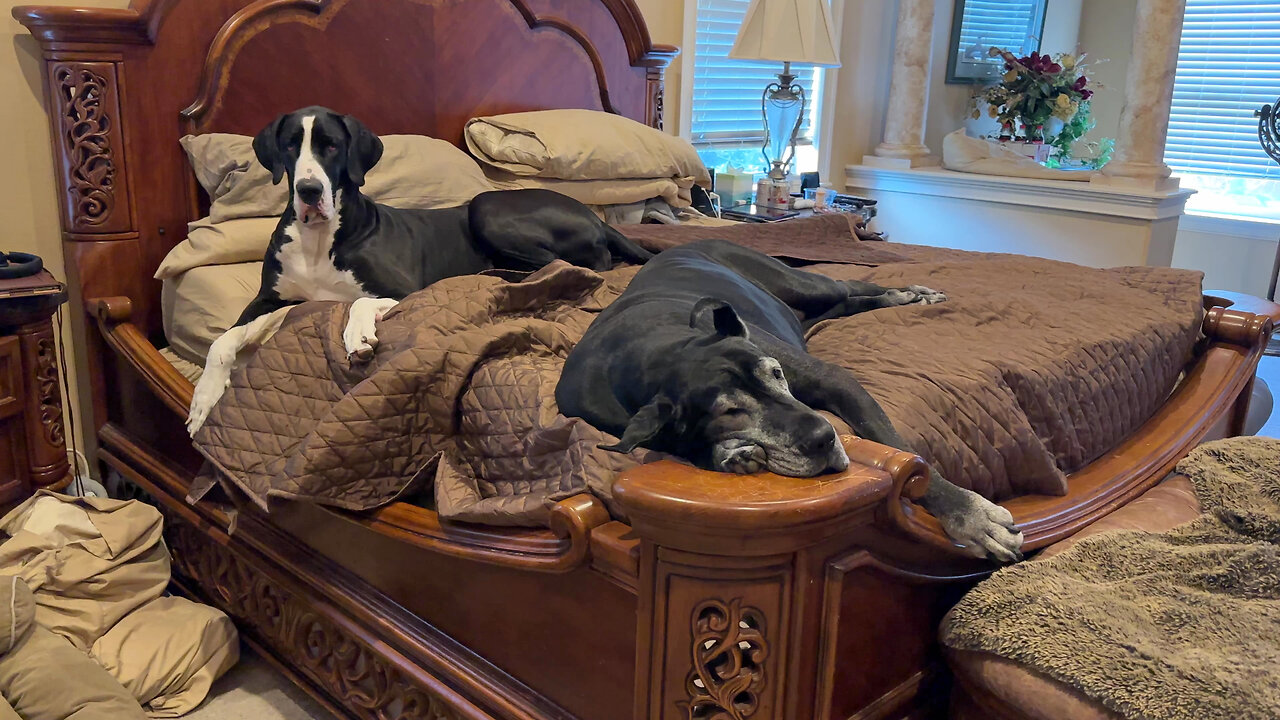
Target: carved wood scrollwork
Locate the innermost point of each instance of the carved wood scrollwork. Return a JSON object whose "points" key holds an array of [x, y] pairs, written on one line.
{"points": [[656, 92], [86, 112], [729, 650], [349, 671], [47, 389]]}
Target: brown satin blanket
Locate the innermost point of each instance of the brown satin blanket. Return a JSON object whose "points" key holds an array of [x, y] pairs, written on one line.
{"points": [[1032, 369]]}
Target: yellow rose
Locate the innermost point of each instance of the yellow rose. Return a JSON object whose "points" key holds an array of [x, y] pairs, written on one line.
{"points": [[1011, 76], [1063, 101], [1067, 62]]}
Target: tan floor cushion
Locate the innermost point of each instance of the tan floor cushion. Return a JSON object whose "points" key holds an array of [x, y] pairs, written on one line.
{"points": [[44, 677], [1035, 696], [168, 653]]}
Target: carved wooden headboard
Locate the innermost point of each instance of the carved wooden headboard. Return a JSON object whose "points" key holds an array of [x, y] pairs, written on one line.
{"points": [[124, 85]]}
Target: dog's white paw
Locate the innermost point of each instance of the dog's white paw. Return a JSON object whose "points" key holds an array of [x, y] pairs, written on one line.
{"points": [[926, 296], [213, 383], [985, 530], [738, 457], [361, 334]]}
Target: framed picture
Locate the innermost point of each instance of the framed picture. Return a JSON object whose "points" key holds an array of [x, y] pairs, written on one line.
{"points": [[978, 25]]}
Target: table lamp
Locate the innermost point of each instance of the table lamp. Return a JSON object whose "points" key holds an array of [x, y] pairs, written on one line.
{"points": [[785, 31]]}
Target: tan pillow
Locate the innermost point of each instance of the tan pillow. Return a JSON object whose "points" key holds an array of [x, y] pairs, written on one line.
{"points": [[415, 172], [88, 561], [47, 678], [168, 653], [200, 304], [210, 243], [237, 184], [675, 191], [581, 145]]}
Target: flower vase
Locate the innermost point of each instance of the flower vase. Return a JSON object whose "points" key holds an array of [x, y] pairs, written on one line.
{"points": [[1052, 129]]}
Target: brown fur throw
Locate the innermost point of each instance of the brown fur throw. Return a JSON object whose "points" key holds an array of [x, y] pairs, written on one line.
{"points": [[1183, 624]]}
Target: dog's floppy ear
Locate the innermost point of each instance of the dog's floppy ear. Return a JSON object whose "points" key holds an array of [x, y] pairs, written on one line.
{"points": [[267, 147], [644, 425], [364, 149], [723, 317]]}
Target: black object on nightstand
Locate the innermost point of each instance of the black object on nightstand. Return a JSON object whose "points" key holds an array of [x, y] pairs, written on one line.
{"points": [[33, 448]]}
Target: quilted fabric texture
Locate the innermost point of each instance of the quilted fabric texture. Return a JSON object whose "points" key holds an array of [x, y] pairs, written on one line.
{"points": [[460, 392], [1032, 369]]}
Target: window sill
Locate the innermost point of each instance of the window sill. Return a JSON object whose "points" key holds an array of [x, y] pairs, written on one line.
{"points": [[1075, 196], [1254, 228]]}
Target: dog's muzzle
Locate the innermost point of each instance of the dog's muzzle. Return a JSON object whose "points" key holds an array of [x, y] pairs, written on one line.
{"points": [[310, 193]]}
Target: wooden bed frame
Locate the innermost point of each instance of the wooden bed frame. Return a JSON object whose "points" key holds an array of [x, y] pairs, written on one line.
{"points": [[757, 597]]}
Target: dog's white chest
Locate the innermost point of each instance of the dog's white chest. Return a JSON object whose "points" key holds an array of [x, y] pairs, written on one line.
{"points": [[307, 272]]}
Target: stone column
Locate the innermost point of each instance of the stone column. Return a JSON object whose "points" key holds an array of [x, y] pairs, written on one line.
{"points": [[1144, 121], [903, 144]]}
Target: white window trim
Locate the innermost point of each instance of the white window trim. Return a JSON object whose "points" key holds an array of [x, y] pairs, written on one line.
{"points": [[1253, 228], [825, 131]]}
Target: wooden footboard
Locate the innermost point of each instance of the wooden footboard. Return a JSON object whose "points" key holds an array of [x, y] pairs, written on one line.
{"points": [[759, 597]]}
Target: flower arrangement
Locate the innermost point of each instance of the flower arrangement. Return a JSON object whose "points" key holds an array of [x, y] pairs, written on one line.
{"points": [[1035, 89]]}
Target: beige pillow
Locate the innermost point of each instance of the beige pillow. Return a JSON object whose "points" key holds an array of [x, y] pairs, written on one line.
{"points": [[200, 304], [168, 653], [237, 184], [415, 172], [675, 191], [210, 243], [581, 145]]}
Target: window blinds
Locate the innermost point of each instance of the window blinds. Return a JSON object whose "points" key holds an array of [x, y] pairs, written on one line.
{"points": [[726, 93], [1228, 67], [998, 23]]}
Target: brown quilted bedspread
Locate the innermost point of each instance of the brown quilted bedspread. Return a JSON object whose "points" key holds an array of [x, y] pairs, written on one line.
{"points": [[1033, 368]]}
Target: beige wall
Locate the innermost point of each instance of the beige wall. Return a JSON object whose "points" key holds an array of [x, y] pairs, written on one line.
{"points": [[665, 19], [28, 203], [1106, 33]]}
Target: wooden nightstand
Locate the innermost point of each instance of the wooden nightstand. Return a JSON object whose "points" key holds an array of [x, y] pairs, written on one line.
{"points": [[33, 448]]}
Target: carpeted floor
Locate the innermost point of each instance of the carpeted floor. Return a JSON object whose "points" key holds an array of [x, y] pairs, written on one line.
{"points": [[253, 690]]}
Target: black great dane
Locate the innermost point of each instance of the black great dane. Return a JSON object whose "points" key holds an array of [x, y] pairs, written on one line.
{"points": [[334, 243], [703, 356]]}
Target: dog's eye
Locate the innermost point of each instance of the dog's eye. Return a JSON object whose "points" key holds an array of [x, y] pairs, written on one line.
{"points": [[329, 149], [777, 373], [733, 412]]}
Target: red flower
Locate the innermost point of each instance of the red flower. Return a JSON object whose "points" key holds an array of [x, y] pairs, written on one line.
{"points": [[1086, 94], [1080, 83]]}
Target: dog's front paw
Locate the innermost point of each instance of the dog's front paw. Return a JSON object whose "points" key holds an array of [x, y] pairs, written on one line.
{"points": [[208, 391], [361, 334], [926, 296], [738, 457], [984, 529]]}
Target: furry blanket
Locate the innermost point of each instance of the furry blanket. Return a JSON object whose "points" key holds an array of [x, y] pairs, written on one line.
{"points": [[1177, 625]]}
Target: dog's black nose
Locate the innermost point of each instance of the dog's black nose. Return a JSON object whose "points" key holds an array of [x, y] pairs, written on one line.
{"points": [[819, 439], [309, 190]]}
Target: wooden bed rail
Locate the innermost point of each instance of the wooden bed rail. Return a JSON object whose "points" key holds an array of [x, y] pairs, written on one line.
{"points": [[568, 544], [668, 498]]}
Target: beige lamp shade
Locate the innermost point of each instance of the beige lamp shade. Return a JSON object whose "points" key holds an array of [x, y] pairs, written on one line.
{"points": [[798, 31]]}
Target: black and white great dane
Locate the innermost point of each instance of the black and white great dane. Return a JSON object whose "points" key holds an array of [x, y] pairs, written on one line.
{"points": [[703, 356], [334, 243]]}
